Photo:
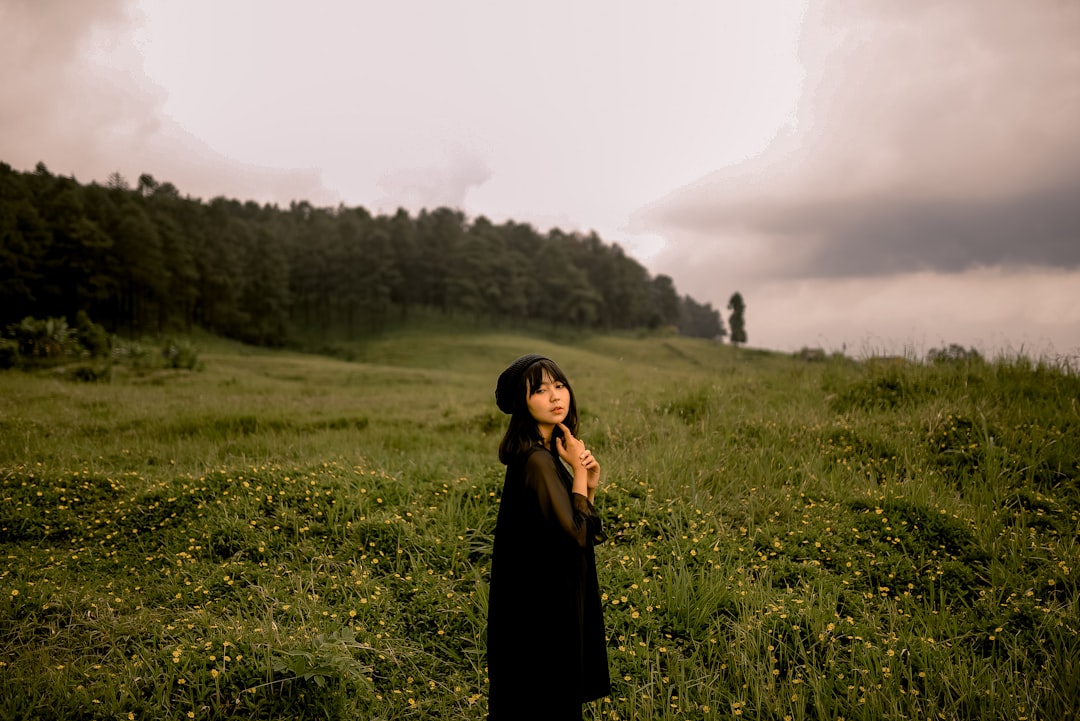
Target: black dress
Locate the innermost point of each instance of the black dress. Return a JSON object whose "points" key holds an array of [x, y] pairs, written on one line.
{"points": [[545, 637]]}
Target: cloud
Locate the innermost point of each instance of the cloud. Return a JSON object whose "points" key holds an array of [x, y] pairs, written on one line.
{"points": [[442, 185], [75, 97], [40, 95], [932, 137], [994, 310]]}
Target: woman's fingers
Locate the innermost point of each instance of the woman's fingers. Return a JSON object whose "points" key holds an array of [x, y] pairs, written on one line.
{"points": [[571, 447], [568, 437]]}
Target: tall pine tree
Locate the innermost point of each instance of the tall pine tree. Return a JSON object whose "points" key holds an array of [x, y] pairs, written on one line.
{"points": [[737, 320]]}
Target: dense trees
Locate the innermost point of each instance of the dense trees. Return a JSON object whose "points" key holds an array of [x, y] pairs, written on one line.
{"points": [[700, 321], [144, 259]]}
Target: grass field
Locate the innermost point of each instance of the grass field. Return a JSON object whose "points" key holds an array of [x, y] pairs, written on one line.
{"points": [[282, 535]]}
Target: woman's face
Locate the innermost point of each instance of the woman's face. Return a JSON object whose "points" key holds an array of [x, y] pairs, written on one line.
{"points": [[548, 404]]}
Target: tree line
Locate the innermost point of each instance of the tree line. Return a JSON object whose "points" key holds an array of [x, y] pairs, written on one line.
{"points": [[145, 259]]}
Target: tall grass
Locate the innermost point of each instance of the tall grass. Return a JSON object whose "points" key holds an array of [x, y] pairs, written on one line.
{"points": [[293, 536]]}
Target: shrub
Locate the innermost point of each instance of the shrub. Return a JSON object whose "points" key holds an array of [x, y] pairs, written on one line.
{"points": [[953, 353], [9, 354], [180, 354], [811, 355], [176, 354], [44, 341], [92, 372], [36, 343], [133, 353], [92, 336]]}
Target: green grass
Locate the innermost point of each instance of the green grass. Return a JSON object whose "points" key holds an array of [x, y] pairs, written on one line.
{"points": [[283, 535]]}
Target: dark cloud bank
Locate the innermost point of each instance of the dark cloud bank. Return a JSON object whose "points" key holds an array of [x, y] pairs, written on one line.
{"points": [[932, 136]]}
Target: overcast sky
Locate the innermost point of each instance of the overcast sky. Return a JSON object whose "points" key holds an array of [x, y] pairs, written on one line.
{"points": [[881, 177]]}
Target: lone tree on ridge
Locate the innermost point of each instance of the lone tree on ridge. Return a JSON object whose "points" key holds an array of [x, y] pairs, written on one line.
{"points": [[737, 321]]}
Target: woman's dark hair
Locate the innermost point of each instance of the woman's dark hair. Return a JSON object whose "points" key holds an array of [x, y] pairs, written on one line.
{"points": [[522, 433]]}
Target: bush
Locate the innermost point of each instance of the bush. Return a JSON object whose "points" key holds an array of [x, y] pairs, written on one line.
{"points": [[954, 353], [92, 336], [811, 355], [180, 354], [132, 353], [36, 343], [9, 354], [92, 372], [42, 342]]}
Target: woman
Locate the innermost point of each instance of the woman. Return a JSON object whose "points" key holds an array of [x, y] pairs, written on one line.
{"points": [[546, 645]]}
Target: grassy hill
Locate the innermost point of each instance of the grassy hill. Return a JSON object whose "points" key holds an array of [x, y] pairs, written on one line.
{"points": [[282, 535]]}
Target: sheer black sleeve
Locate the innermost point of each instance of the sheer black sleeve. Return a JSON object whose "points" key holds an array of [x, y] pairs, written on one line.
{"points": [[569, 511]]}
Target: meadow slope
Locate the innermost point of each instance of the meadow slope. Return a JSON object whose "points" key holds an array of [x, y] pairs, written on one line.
{"points": [[281, 535]]}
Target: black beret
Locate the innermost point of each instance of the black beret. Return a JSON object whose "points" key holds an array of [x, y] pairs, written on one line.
{"points": [[510, 381]]}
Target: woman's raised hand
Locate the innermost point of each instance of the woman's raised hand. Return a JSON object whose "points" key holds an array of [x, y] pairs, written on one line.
{"points": [[573, 451]]}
